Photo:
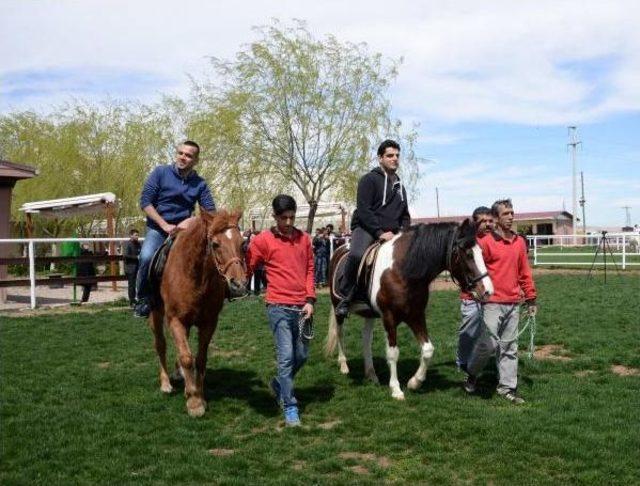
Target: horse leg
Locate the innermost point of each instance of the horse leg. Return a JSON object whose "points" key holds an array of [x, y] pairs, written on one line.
{"points": [[195, 404], [426, 352], [342, 358], [393, 353], [205, 333], [367, 339], [156, 323]]}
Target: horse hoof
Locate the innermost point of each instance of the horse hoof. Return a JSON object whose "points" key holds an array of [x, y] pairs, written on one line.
{"points": [[166, 388], [344, 369], [372, 377], [195, 407], [414, 383], [398, 395]]}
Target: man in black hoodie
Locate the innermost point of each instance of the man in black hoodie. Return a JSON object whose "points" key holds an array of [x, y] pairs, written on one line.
{"points": [[381, 211]]}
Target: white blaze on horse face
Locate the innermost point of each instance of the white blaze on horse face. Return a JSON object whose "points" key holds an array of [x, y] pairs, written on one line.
{"points": [[384, 261], [482, 268], [229, 233]]}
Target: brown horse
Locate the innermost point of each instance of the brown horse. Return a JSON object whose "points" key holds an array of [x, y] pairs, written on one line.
{"points": [[205, 264], [399, 291]]}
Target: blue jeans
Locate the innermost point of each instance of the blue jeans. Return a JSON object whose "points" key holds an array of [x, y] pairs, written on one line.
{"points": [[291, 353], [321, 269], [153, 240]]}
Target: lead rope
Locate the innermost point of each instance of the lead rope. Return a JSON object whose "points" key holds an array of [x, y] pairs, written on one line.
{"points": [[531, 325]]}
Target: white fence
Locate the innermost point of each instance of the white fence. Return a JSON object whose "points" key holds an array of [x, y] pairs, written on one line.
{"points": [[31, 253], [621, 249]]}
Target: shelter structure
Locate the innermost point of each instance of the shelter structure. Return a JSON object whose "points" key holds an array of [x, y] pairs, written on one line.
{"points": [[258, 216], [104, 202], [531, 223], [10, 173]]}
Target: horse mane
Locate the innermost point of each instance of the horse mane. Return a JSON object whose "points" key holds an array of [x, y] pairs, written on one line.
{"points": [[427, 250]]}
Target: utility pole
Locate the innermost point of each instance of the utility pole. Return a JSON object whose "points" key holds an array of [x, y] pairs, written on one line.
{"points": [[438, 203], [627, 210], [573, 143], [582, 201]]}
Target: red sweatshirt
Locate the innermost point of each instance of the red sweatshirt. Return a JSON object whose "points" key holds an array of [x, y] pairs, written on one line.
{"points": [[508, 267], [288, 262]]}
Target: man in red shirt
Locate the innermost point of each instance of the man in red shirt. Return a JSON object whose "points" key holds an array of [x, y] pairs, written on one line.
{"points": [[505, 254], [471, 310], [287, 256]]}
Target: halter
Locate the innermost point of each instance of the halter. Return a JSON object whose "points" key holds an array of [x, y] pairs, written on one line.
{"points": [[220, 266], [469, 282]]}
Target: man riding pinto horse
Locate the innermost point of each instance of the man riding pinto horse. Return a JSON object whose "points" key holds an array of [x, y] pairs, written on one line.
{"points": [[381, 212]]}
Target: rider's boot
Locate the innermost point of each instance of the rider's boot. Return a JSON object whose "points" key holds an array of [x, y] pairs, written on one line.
{"points": [[348, 286]]}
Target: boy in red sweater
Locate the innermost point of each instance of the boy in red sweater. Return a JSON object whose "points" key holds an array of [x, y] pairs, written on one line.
{"points": [[505, 254], [287, 256]]}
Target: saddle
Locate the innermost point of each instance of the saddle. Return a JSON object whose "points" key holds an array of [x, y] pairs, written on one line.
{"points": [[365, 272], [156, 269]]}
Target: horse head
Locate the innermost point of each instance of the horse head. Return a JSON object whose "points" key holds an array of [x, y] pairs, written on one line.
{"points": [[224, 247], [466, 264]]}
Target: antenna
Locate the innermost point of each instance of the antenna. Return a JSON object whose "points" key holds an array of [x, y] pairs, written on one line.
{"points": [[582, 201], [573, 143], [627, 210]]}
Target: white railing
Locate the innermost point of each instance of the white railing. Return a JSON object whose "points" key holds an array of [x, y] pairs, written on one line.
{"points": [[30, 246], [621, 249]]}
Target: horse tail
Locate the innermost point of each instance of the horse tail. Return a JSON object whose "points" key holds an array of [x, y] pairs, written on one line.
{"points": [[332, 334]]}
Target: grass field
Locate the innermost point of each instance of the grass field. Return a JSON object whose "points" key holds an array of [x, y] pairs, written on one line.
{"points": [[584, 256], [80, 403]]}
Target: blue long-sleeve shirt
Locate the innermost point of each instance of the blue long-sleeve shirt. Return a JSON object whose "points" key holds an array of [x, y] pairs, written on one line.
{"points": [[174, 197]]}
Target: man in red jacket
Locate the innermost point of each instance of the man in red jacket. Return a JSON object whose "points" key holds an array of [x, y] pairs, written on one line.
{"points": [[505, 254], [287, 256]]}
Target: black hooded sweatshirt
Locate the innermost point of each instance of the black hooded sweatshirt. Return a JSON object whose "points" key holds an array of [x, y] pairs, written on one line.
{"points": [[381, 204]]}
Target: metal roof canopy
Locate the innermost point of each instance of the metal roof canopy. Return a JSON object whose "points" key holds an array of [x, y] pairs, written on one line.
{"points": [[70, 206]]}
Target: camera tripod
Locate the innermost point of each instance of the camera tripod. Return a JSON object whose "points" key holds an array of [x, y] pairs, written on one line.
{"points": [[604, 247]]}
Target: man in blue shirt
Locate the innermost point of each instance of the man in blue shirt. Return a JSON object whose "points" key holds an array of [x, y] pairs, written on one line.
{"points": [[168, 197]]}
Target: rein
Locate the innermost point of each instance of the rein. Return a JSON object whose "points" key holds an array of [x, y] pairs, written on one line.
{"points": [[470, 282], [222, 267]]}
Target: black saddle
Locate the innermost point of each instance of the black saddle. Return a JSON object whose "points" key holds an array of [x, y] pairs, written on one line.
{"points": [[365, 272], [156, 269]]}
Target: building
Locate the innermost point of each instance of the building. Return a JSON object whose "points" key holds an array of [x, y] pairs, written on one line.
{"points": [[534, 223]]}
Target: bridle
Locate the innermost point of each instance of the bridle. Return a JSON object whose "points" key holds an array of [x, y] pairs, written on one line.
{"points": [[222, 267], [452, 256]]}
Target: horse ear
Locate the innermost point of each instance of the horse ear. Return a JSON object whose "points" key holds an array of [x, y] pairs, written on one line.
{"points": [[235, 216]]}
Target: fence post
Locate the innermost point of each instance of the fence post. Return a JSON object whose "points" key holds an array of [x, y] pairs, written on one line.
{"points": [[624, 252], [32, 273], [535, 251]]}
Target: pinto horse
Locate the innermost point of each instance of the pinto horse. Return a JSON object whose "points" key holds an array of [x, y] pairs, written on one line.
{"points": [[205, 264], [399, 291]]}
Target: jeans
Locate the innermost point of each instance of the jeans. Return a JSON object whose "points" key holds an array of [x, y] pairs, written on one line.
{"points": [[321, 269], [469, 330], [501, 321], [291, 352], [153, 240]]}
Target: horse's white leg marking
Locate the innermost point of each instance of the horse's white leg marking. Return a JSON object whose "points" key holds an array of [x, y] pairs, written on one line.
{"points": [[367, 339], [384, 261], [342, 359], [482, 268], [426, 353], [393, 354]]}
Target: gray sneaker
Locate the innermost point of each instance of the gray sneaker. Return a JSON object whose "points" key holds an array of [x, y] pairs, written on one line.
{"points": [[513, 398]]}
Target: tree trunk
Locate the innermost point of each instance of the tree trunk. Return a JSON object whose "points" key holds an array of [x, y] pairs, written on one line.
{"points": [[313, 207]]}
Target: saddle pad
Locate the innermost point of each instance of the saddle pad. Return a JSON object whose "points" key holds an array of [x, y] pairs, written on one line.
{"points": [[363, 278]]}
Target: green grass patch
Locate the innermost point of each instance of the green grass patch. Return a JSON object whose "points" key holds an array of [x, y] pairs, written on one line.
{"points": [[80, 403]]}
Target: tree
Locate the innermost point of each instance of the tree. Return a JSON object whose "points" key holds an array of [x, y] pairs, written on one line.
{"points": [[307, 112]]}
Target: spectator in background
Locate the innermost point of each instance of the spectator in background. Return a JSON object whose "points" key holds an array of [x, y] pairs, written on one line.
{"points": [[86, 269], [321, 254], [131, 253]]}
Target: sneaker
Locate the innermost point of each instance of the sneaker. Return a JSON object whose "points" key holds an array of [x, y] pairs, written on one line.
{"points": [[470, 385], [513, 398], [142, 309], [291, 417], [275, 389], [342, 309]]}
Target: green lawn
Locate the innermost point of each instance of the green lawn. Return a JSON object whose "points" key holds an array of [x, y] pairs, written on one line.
{"points": [[584, 255], [80, 403]]}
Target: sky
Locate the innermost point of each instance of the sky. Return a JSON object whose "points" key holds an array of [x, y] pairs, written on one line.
{"points": [[492, 86]]}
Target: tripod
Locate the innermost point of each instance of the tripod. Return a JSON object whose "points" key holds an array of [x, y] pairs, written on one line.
{"points": [[604, 246]]}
